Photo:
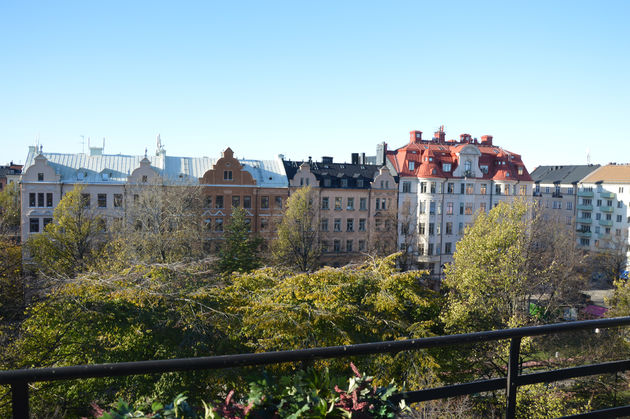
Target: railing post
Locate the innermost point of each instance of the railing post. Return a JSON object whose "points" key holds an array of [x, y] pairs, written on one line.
{"points": [[19, 400], [510, 405]]}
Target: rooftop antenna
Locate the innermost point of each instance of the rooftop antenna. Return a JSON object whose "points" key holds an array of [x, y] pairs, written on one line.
{"points": [[103, 144], [588, 156], [82, 143]]}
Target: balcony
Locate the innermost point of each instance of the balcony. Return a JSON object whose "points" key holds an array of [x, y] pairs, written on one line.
{"points": [[585, 194], [583, 233], [606, 223], [583, 207], [515, 375], [606, 209], [607, 195], [584, 220]]}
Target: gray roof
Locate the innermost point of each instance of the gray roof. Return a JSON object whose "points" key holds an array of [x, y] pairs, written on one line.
{"points": [[267, 173], [570, 174]]}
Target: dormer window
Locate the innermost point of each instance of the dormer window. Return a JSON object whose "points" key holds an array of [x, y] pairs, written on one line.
{"points": [[227, 175], [145, 179], [40, 177], [520, 171], [411, 165], [446, 167], [467, 166], [484, 168]]}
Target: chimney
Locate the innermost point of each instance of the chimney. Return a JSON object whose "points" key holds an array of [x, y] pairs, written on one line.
{"points": [[381, 152], [362, 158], [326, 159], [355, 158], [486, 139], [415, 136]]}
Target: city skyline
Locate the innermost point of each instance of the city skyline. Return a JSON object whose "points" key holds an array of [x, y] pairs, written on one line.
{"points": [[547, 81]]}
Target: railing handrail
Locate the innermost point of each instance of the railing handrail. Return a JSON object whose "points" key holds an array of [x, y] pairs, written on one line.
{"points": [[19, 379]]}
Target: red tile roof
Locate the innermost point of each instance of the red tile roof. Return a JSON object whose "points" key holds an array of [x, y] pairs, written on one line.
{"points": [[428, 157]]}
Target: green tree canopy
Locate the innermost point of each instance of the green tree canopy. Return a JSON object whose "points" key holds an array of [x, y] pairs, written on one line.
{"points": [[10, 210], [72, 241], [239, 252], [297, 244]]}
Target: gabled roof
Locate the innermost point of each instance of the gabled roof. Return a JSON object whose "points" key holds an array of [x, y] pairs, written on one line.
{"points": [[568, 174]]}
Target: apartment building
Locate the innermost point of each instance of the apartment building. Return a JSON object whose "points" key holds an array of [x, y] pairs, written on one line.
{"points": [[9, 174], [111, 180], [443, 183], [357, 206], [603, 212], [556, 191]]}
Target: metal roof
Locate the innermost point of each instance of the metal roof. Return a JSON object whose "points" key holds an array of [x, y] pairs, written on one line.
{"points": [[568, 174], [117, 167]]}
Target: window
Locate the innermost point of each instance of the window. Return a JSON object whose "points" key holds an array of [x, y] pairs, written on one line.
{"points": [[450, 188], [248, 223], [218, 224], [85, 198], [447, 248], [406, 187], [421, 230], [227, 175], [438, 229], [412, 166], [483, 189], [570, 205], [482, 206], [469, 208], [462, 188], [431, 229], [432, 207], [263, 224], [208, 224], [446, 167], [467, 166], [430, 249], [586, 201], [145, 179], [470, 189], [461, 208], [570, 190], [599, 202], [520, 170], [361, 245], [32, 199], [101, 200], [236, 201], [40, 199], [264, 202], [378, 203], [337, 246], [619, 204], [136, 197], [449, 208], [359, 183], [344, 183], [609, 202], [585, 242], [33, 225], [621, 189], [598, 216], [497, 189], [523, 190], [118, 199], [325, 246], [484, 169], [362, 224], [557, 191], [377, 224], [348, 245], [325, 203], [278, 202], [219, 201], [506, 188], [350, 204], [432, 184], [49, 199], [449, 228], [421, 248], [607, 230], [324, 224], [338, 203], [327, 182], [46, 222], [40, 177], [383, 204], [421, 207], [618, 232], [609, 217], [363, 204], [461, 228], [588, 214], [350, 224], [618, 218], [247, 201], [423, 187], [337, 224]]}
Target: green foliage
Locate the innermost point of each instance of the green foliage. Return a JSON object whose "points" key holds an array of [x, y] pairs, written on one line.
{"points": [[239, 252], [121, 410], [297, 244], [10, 210], [72, 242], [11, 281]]}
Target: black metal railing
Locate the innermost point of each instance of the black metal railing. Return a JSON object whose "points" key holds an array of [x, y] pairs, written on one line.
{"points": [[19, 379]]}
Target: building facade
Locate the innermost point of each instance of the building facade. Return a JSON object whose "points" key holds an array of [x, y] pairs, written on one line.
{"points": [[603, 218], [111, 181], [443, 183], [357, 207]]}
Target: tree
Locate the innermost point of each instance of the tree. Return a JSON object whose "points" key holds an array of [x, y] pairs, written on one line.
{"points": [[162, 224], [10, 211], [239, 252], [408, 236], [297, 243], [610, 261], [70, 244]]}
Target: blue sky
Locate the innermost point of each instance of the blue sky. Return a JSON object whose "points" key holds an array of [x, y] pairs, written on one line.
{"points": [[548, 80]]}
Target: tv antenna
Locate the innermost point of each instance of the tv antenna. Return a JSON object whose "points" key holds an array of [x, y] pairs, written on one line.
{"points": [[588, 156], [82, 143]]}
